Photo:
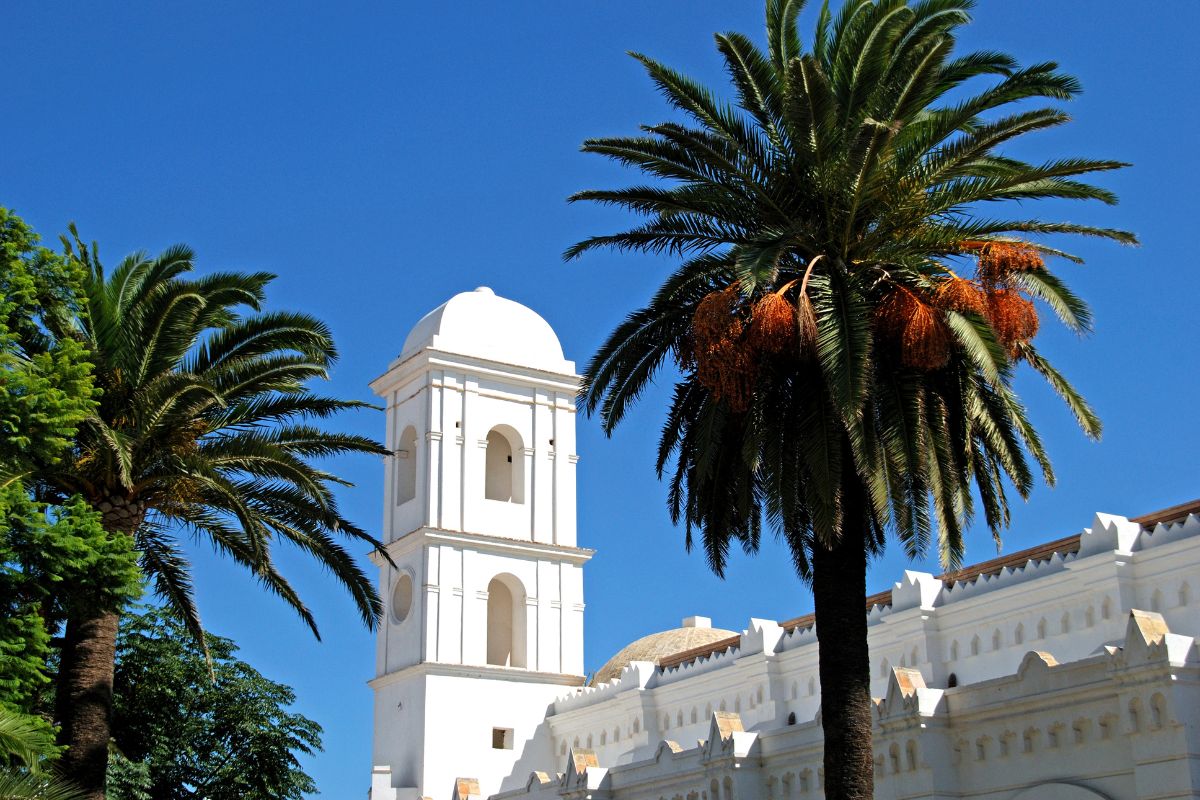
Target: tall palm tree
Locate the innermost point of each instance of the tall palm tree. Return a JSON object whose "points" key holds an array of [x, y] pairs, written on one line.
{"points": [[203, 429], [844, 374]]}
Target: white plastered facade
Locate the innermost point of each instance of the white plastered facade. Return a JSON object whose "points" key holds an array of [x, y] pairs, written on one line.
{"points": [[1074, 675], [485, 590]]}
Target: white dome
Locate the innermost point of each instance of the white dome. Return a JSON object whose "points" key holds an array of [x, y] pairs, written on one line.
{"points": [[483, 325]]}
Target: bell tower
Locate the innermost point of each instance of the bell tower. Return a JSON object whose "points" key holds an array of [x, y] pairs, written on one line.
{"points": [[484, 604]]}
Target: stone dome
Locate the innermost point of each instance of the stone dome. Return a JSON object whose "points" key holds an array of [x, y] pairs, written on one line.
{"points": [[487, 326], [696, 632]]}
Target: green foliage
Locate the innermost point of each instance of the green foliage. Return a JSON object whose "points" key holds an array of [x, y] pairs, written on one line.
{"points": [[45, 381], [54, 561], [224, 736], [127, 780]]}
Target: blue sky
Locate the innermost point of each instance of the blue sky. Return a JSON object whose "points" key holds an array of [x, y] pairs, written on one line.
{"points": [[382, 156]]}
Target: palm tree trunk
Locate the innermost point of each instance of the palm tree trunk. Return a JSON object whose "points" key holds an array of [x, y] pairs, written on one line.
{"points": [[84, 699], [84, 691], [839, 587]]}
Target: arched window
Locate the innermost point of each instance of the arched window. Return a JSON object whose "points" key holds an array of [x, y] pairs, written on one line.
{"points": [[1106, 608], [1089, 617], [603, 738], [997, 640], [505, 478], [679, 719], [915, 659], [975, 645], [894, 758], [694, 713], [506, 622], [910, 752], [406, 466], [1019, 634], [1065, 625], [1041, 628], [1135, 715], [1185, 594], [1158, 711], [1156, 601], [812, 686], [954, 651]]}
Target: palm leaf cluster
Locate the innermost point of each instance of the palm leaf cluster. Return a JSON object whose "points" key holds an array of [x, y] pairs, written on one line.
{"points": [[206, 425], [26, 751], [853, 178]]}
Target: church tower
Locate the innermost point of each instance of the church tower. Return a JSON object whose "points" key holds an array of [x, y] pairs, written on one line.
{"points": [[483, 625]]}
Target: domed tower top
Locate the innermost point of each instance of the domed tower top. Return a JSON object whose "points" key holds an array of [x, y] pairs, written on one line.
{"points": [[483, 325]]}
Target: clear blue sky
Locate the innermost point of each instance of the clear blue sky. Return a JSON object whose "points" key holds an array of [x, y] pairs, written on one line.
{"points": [[382, 156]]}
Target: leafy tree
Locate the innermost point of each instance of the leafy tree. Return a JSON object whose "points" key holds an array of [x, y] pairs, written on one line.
{"points": [[842, 377], [51, 559], [45, 382], [54, 562], [202, 429], [215, 730]]}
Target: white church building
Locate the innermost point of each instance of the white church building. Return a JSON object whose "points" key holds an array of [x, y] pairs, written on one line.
{"points": [[1068, 671]]}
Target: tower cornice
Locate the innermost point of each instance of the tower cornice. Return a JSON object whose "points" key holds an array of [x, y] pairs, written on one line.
{"points": [[429, 358], [485, 543]]}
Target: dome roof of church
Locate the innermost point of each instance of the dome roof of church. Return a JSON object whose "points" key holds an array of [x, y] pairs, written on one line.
{"points": [[487, 326], [658, 646]]}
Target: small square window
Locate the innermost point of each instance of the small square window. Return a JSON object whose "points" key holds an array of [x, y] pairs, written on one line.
{"points": [[502, 739]]}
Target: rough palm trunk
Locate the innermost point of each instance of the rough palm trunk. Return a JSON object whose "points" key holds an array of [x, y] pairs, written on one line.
{"points": [[84, 693], [84, 699], [839, 588]]}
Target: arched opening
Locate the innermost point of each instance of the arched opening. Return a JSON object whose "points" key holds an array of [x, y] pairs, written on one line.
{"points": [[506, 622], [1158, 712], [406, 466], [505, 467]]}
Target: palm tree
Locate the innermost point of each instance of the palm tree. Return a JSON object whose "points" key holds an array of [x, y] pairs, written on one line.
{"points": [[844, 374], [203, 429]]}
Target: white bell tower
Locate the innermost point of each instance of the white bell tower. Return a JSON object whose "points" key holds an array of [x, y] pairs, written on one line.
{"points": [[483, 625]]}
